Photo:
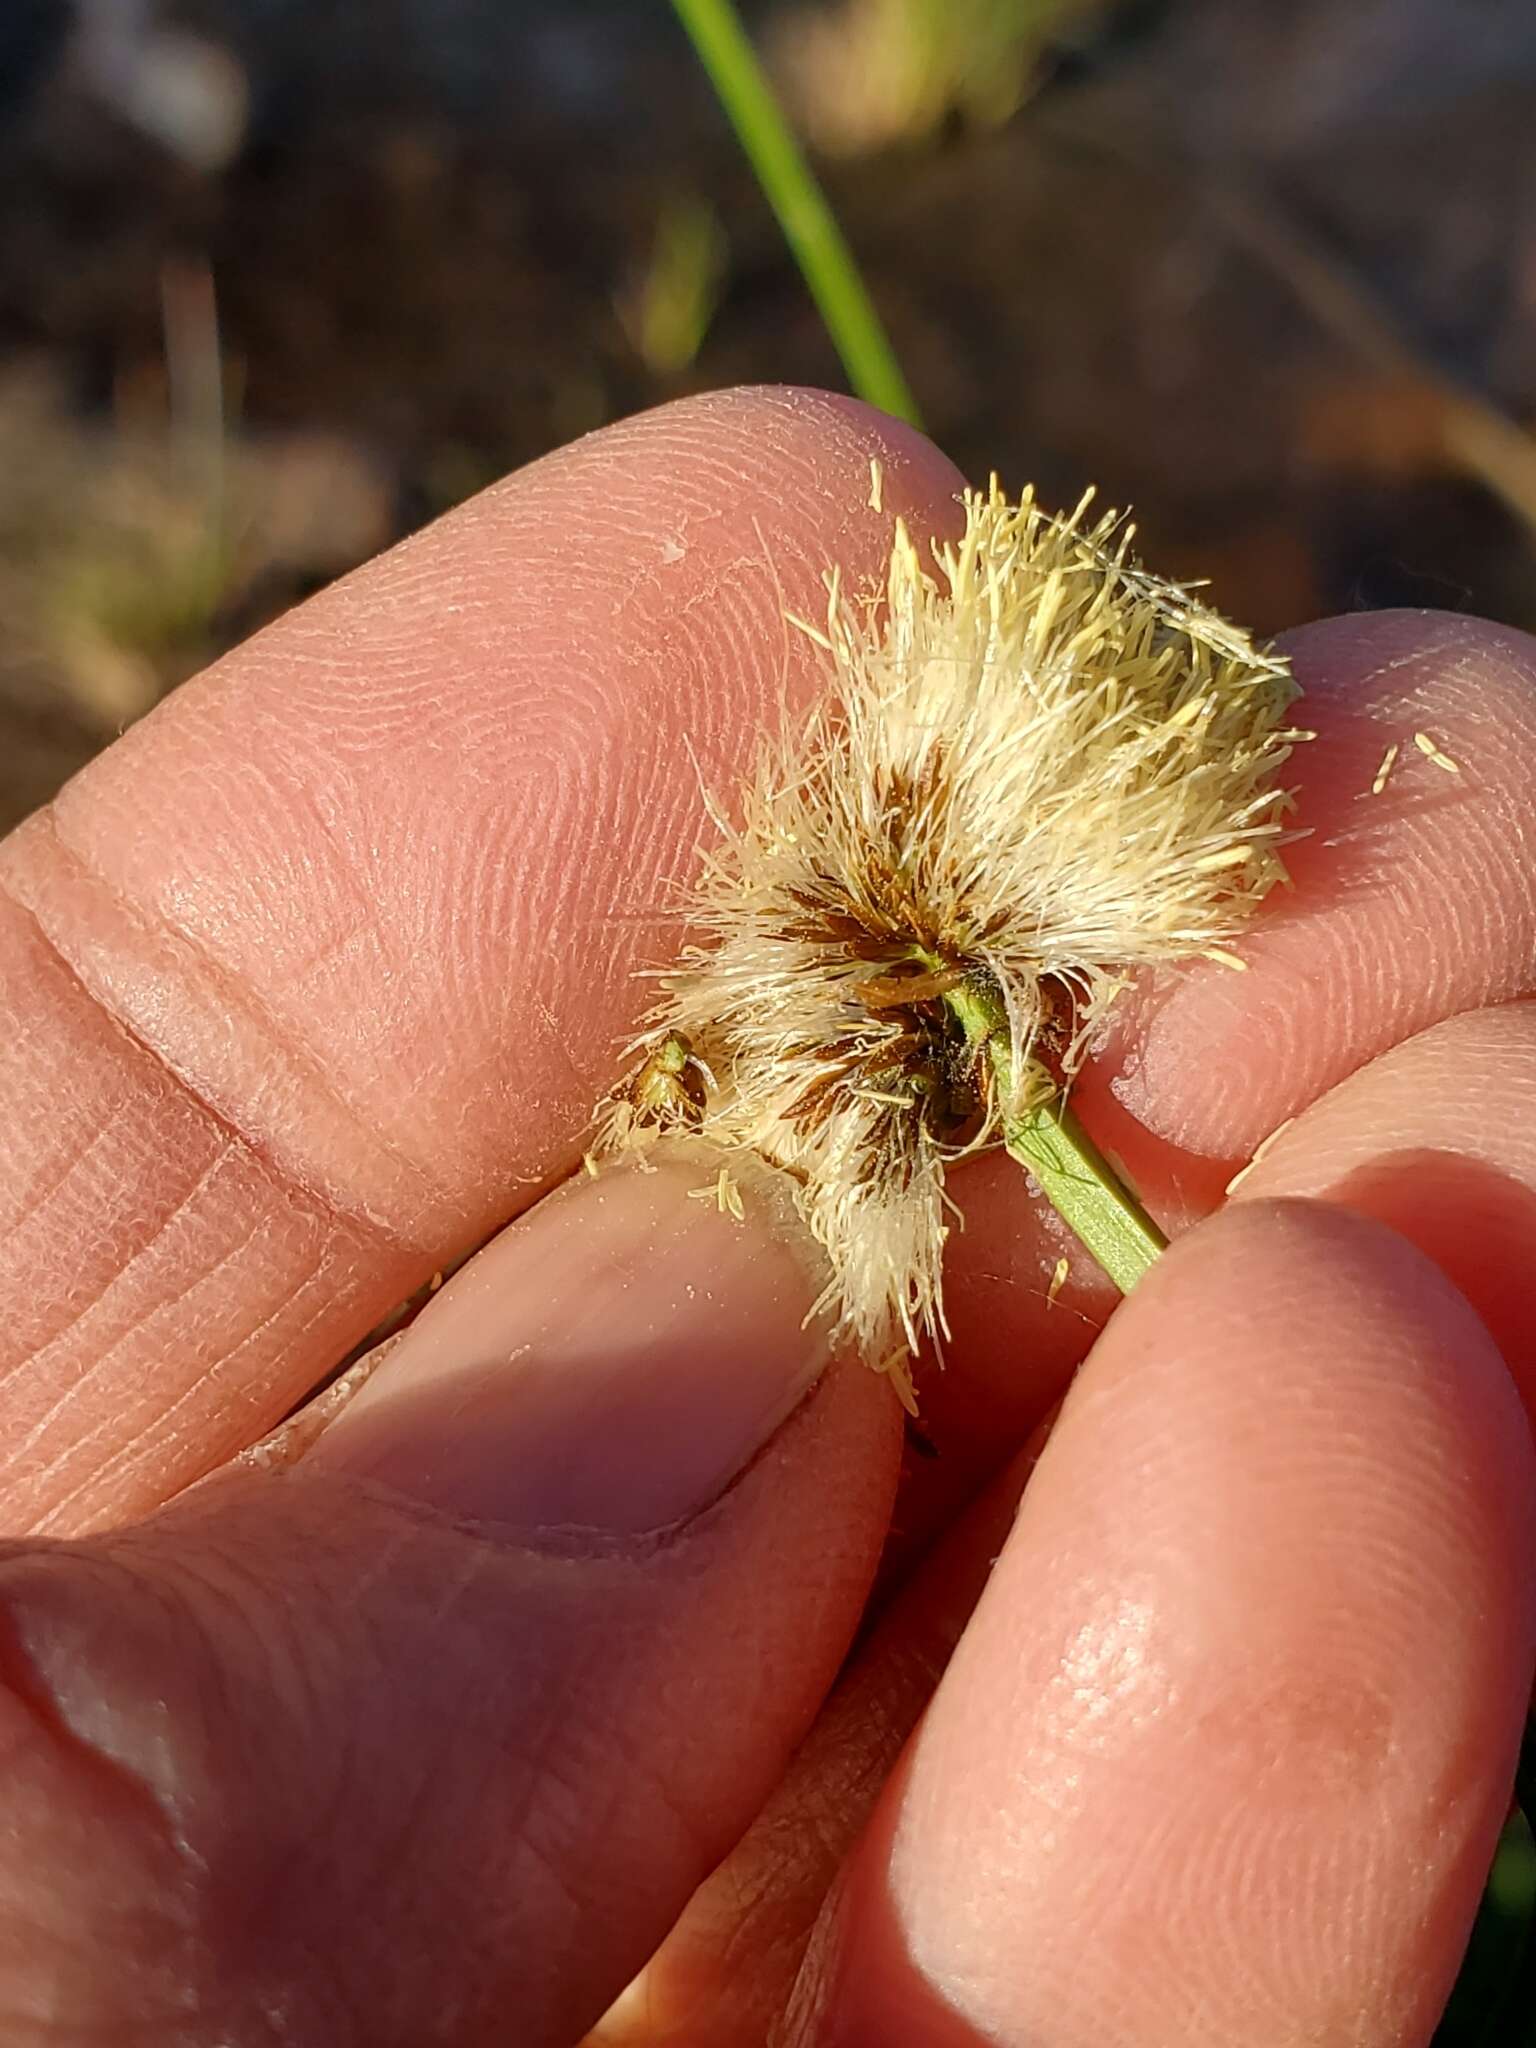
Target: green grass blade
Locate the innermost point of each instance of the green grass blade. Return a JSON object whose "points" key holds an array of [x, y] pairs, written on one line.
{"points": [[810, 227]]}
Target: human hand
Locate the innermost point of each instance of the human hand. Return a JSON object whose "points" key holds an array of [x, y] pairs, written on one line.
{"points": [[429, 1734]]}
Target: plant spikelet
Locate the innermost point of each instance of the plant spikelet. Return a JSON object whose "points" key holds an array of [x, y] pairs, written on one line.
{"points": [[1037, 770]]}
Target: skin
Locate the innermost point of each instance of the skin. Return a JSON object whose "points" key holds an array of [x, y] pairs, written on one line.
{"points": [[441, 1731]]}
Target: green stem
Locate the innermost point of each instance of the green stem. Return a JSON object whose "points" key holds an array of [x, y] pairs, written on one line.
{"points": [[1084, 1189], [1074, 1176], [810, 227]]}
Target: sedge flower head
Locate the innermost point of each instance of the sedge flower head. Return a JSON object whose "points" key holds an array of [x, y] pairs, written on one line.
{"points": [[1036, 770]]}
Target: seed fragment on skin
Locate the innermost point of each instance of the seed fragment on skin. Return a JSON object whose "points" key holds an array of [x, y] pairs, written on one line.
{"points": [[1261, 1151], [725, 1193]]}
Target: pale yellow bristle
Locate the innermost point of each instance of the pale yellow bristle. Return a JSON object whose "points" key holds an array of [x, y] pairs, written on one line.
{"points": [[1035, 765]]}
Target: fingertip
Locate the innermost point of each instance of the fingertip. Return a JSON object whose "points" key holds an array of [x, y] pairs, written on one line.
{"points": [[1229, 1740], [1409, 898], [822, 477], [1339, 653], [1435, 1139]]}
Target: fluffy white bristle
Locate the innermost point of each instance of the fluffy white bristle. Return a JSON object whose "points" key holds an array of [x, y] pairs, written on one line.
{"points": [[1036, 768]]}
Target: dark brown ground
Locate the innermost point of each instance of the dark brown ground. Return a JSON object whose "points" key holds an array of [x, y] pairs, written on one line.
{"points": [[1267, 271]]}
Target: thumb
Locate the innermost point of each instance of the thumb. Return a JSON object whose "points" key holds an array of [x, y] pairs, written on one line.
{"points": [[427, 1736]]}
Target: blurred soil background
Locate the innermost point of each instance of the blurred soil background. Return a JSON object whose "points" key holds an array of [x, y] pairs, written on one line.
{"points": [[282, 279]]}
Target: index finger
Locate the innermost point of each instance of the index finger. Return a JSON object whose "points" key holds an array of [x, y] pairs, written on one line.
{"points": [[313, 978]]}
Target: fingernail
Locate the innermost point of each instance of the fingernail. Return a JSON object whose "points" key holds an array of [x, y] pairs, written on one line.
{"points": [[612, 1361]]}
